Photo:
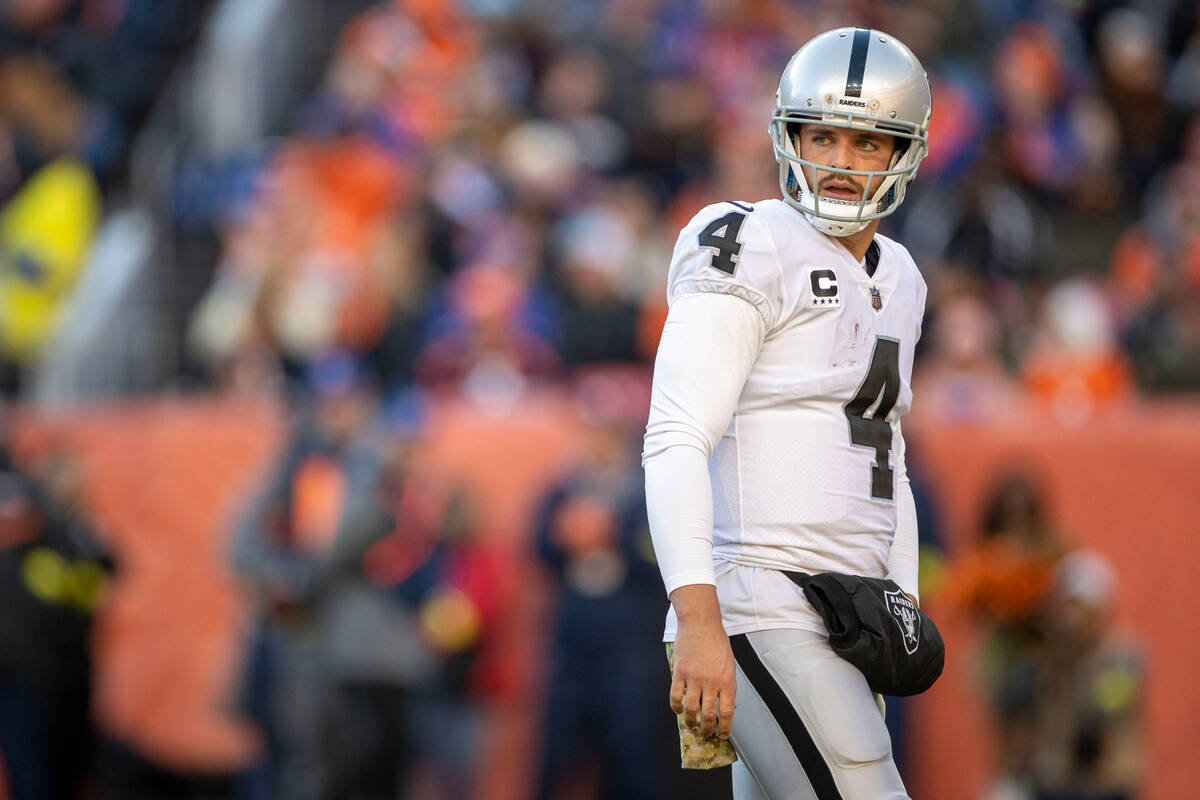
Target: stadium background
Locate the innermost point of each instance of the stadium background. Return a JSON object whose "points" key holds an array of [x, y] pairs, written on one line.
{"points": [[219, 215]]}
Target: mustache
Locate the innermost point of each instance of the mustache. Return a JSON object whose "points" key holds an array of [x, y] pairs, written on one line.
{"points": [[840, 182]]}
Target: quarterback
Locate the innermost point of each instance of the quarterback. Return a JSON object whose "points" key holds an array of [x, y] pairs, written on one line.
{"points": [[774, 440]]}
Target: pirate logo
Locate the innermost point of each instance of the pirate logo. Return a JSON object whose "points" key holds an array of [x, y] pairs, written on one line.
{"points": [[876, 299], [904, 611]]}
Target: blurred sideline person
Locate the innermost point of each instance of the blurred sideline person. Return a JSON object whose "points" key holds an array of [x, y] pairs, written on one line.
{"points": [[1075, 702], [280, 544], [1089, 694], [1005, 582], [605, 663], [371, 653], [54, 577], [774, 438]]}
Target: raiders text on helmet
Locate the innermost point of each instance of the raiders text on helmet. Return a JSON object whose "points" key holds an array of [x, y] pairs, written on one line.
{"points": [[860, 79]]}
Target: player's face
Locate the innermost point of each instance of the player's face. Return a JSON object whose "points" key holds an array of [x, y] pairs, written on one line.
{"points": [[844, 148]]}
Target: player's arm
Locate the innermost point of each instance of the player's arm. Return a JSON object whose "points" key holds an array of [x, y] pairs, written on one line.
{"points": [[905, 553], [708, 346], [903, 557]]}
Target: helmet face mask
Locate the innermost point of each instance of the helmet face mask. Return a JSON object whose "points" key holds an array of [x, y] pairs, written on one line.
{"points": [[860, 80]]}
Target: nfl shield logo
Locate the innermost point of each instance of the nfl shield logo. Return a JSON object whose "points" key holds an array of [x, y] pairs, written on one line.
{"points": [[905, 613], [876, 299]]}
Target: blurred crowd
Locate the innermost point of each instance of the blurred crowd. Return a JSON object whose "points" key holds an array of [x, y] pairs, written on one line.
{"points": [[478, 201], [54, 573], [488, 191]]}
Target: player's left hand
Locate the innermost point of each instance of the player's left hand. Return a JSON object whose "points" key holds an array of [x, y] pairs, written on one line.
{"points": [[704, 678]]}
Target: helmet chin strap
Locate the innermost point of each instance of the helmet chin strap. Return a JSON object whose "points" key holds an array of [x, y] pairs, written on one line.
{"points": [[834, 228], [830, 227]]}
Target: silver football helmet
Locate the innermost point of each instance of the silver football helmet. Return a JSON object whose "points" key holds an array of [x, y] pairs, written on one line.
{"points": [[851, 78]]}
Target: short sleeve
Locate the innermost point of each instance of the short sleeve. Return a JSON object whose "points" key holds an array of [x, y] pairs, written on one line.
{"points": [[727, 249]]}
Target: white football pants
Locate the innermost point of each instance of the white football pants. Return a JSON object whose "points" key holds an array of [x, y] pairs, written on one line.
{"points": [[807, 726]]}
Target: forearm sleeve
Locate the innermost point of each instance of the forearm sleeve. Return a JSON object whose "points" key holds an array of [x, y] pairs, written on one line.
{"points": [[679, 509], [708, 346], [903, 558]]}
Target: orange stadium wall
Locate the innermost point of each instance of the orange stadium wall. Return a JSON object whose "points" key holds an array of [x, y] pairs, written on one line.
{"points": [[165, 478], [1127, 486], [164, 481]]}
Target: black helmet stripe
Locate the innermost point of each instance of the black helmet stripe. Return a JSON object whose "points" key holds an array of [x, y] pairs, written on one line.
{"points": [[858, 62]]}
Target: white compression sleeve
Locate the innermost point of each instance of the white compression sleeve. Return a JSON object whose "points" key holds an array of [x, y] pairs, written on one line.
{"points": [[903, 558], [709, 344], [679, 509]]}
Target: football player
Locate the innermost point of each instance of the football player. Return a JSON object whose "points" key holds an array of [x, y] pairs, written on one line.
{"points": [[774, 438]]}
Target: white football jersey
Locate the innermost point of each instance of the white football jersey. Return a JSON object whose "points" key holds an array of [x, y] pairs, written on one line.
{"points": [[804, 477]]}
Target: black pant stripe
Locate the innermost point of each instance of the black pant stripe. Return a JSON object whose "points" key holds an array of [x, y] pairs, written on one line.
{"points": [[785, 714]]}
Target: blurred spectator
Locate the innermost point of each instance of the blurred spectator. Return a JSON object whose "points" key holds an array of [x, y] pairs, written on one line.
{"points": [[604, 710], [1155, 277], [961, 378], [53, 578], [372, 654], [400, 250], [438, 563], [1075, 367], [410, 594], [1183, 84], [599, 321], [1131, 72], [45, 232], [78, 77], [1164, 337], [1037, 135], [574, 90], [990, 225], [1075, 702], [1005, 582], [485, 339], [315, 263], [278, 547]]}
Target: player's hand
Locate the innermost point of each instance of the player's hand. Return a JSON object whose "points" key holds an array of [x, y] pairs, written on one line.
{"points": [[704, 680]]}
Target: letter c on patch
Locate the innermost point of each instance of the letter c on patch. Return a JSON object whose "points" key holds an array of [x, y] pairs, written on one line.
{"points": [[824, 283]]}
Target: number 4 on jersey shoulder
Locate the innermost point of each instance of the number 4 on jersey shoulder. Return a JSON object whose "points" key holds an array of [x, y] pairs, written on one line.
{"points": [[722, 235]]}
